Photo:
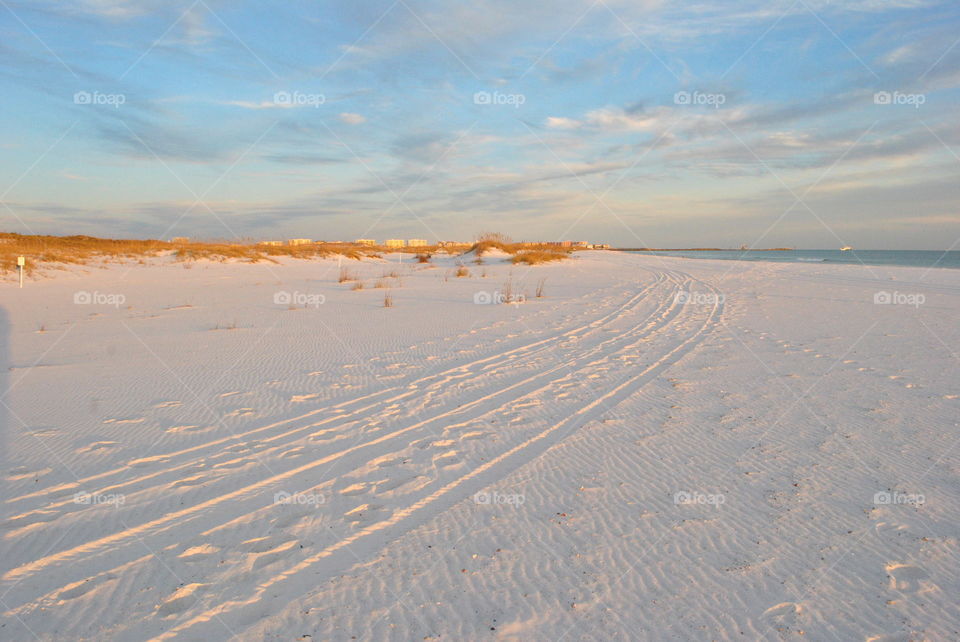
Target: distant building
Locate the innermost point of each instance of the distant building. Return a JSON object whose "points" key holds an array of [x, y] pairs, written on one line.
{"points": [[417, 243], [581, 244], [180, 239], [365, 242], [299, 241], [601, 246], [395, 243], [270, 243]]}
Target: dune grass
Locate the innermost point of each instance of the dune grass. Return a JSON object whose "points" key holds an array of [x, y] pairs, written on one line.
{"points": [[52, 250], [529, 253], [535, 257]]}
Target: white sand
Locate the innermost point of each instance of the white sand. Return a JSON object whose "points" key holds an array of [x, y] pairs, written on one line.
{"points": [[464, 471]]}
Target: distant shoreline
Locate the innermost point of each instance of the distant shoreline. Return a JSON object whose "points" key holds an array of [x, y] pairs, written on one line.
{"points": [[703, 249]]}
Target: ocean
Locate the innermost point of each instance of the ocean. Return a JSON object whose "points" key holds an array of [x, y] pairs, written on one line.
{"points": [[912, 258]]}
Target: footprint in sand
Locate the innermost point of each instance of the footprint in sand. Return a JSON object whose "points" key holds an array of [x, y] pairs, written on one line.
{"points": [[26, 472], [97, 446], [147, 461], [296, 451], [229, 465], [449, 458], [190, 428], [323, 435], [189, 481], [83, 587], [386, 462], [365, 514], [271, 556], [476, 434], [196, 553], [263, 551], [240, 412], [181, 599], [355, 489], [401, 484], [904, 577], [783, 616]]}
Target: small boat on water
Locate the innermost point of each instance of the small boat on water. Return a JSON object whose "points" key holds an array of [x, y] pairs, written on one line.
{"points": [[846, 248]]}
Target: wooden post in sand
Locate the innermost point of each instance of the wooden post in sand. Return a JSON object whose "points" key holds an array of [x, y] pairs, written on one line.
{"points": [[21, 261]]}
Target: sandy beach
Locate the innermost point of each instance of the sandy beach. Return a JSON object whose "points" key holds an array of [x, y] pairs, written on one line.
{"points": [[655, 448]]}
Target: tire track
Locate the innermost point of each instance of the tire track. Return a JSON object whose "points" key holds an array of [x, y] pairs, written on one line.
{"points": [[180, 519], [409, 389], [338, 557]]}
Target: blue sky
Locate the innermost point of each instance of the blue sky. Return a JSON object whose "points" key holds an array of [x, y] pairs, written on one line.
{"points": [[637, 123]]}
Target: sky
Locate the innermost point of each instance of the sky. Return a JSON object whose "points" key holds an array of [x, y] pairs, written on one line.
{"points": [[639, 123]]}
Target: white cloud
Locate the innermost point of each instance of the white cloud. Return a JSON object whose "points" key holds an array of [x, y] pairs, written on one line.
{"points": [[558, 122], [351, 119]]}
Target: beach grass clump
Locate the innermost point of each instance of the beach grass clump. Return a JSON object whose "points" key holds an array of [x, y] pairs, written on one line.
{"points": [[536, 257]]}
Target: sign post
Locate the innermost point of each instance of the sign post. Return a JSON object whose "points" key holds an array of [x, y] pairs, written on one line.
{"points": [[21, 261]]}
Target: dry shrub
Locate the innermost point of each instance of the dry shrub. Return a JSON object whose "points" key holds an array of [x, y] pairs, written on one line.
{"points": [[424, 258], [357, 286], [346, 274], [387, 299], [535, 257], [462, 271]]}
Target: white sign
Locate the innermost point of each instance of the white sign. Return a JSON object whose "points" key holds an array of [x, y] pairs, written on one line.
{"points": [[21, 261]]}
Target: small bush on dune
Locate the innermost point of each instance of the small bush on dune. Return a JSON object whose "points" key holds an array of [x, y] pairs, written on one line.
{"points": [[423, 258], [535, 257], [462, 271], [346, 275], [357, 286]]}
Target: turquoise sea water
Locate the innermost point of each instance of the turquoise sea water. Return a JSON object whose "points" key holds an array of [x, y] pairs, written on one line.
{"points": [[913, 258]]}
